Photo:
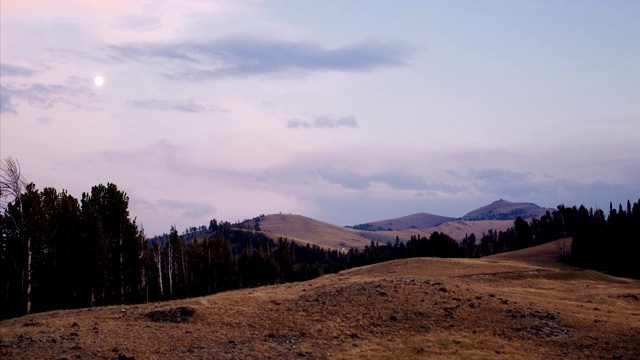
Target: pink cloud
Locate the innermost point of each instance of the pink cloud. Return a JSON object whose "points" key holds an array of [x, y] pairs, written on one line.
{"points": [[111, 7]]}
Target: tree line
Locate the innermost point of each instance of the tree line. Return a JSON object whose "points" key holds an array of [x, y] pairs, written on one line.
{"points": [[227, 257], [58, 252], [608, 243]]}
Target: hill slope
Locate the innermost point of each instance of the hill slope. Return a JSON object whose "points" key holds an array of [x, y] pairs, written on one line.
{"points": [[544, 254], [306, 230], [458, 229], [410, 309], [414, 221], [505, 210]]}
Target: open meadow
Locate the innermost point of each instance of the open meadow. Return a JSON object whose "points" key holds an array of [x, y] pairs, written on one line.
{"points": [[520, 305]]}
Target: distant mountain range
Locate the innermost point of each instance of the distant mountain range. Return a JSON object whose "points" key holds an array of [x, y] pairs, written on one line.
{"points": [[497, 216], [414, 221], [497, 210]]}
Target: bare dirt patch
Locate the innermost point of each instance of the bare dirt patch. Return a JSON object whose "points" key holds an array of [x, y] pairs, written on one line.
{"points": [[175, 315]]}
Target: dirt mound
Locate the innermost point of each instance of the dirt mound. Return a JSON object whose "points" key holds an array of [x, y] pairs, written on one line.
{"points": [[177, 315]]}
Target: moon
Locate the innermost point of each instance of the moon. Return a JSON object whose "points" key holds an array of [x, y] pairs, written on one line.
{"points": [[99, 80]]}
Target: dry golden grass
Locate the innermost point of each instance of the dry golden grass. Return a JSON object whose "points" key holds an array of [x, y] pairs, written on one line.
{"points": [[419, 220], [458, 229], [509, 307], [306, 230]]}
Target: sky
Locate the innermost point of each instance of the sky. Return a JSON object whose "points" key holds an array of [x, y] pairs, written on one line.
{"points": [[343, 111]]}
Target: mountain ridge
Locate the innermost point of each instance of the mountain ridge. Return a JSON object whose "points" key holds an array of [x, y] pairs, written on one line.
{"points": [[505, 210], [304, 229], [498, 210]]}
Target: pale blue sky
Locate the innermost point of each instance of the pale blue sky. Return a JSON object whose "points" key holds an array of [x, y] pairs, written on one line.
{"points": [[344, 111]]}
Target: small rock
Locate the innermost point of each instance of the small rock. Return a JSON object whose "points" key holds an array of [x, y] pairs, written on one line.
{"points": [[393, 318], [474, 304]]}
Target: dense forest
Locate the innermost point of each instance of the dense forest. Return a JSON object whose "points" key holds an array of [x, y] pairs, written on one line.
{"points": [[58, 252]]}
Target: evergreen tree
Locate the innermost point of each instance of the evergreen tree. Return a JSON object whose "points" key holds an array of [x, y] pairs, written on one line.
{"points": [[108, 209]]}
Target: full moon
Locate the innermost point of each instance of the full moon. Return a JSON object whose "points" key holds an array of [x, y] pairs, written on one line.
{"points": [[98, 80]]}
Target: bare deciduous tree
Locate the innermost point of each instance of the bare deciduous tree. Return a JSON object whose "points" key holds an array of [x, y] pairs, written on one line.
{"points": [[12, 186], [12, 183]]}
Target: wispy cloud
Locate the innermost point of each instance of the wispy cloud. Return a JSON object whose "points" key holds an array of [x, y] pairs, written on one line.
{"points": [[324, 121], [137, 23], [7, 70], [6, 101], [239, 56], [71, 92], [526, 186], [397, 180], [44, 120], [190, 209], [187, 106]]}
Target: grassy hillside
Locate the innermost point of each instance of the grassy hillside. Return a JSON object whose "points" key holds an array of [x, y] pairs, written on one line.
{"points": [[457, 229], [521, 306], [306, 230], [545, 254], [414, 221], [505, 210]]}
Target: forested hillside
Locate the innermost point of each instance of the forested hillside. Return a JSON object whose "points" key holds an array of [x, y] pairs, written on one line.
{"points": [[58, 252], [608, 243]]}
